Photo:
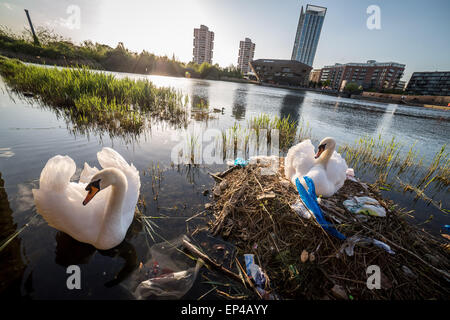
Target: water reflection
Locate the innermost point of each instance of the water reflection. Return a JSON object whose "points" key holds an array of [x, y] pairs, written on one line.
{"points": [[239, 104], [386, 120], [291, 106], [12, 267]]}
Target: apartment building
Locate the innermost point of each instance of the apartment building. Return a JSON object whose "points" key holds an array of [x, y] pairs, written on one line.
{"points": [[246, 55], [369, 75], [203, 45], [430, 83]]}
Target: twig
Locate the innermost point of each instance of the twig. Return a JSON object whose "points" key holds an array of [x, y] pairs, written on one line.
{"points": [[196, 251], [195, 216], [215, 176], [227, 208], [203, 295], [442, 272], [230, 296], [224, 173]]}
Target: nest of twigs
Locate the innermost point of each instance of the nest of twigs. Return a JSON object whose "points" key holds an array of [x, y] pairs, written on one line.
{"points": [[302, 261]]}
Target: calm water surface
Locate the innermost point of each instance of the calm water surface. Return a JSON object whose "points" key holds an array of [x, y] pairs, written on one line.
{"points": [[34, 263]]}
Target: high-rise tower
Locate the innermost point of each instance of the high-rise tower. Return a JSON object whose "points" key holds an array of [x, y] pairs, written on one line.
{"points": [[308, 33], [203, 45], [246, 54]]}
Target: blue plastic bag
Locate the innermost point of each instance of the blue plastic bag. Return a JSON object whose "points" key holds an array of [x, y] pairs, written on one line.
{"points": [[309, 198], [240, 162]]}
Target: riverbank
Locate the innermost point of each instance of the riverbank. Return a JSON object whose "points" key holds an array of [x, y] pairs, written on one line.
{"points": [[55, 50], [94, 98], [434, 102]]}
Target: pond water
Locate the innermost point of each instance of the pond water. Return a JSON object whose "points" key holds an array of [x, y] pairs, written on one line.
{"points": [[34, 264]]}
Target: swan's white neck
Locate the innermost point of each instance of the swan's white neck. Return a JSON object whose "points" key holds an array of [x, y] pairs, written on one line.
{"points": [[113, 215], [324, 157]]}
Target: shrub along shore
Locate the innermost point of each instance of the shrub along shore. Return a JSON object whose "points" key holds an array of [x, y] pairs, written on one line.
{"points": [[95, 98], [55, 50]]}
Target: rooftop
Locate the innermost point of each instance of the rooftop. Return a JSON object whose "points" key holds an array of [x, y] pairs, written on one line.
{"points": [[316, 9], [368, 63]]}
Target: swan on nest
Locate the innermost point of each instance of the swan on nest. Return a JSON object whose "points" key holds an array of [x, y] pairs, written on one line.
{"points": [[326, 168]]}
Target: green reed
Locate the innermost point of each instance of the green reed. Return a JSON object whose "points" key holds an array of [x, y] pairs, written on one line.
{"points": [[95, 98], [386, 160]]}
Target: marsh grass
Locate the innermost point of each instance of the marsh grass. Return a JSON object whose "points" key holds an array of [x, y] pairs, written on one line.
{"points": [[96, 99], [392, 167]]}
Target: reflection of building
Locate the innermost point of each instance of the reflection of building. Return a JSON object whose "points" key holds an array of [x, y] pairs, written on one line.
{"points": [[314, 76], [308, 33], [377, 75], [203, 45], [283, 72], [430, 83], [246, 54]]}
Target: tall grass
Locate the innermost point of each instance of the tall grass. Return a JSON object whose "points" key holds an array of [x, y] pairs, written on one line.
{"points": [[262, 132], [386, 161], [95, 97]]}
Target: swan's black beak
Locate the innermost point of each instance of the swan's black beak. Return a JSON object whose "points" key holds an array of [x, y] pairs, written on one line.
{"points": [[92, 192], [319, 152], [93, 188]]}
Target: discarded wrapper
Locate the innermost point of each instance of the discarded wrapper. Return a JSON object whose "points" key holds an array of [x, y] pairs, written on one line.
{"points": [[300, 209], [365, 205], [254, 271], [349, 244]]}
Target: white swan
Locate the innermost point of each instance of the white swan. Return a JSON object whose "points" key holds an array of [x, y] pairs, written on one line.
{"points": [[326, 168], [103, 221]]}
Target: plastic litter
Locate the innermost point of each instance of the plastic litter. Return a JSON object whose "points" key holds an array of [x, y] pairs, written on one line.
{"points": [[300, 209], [240, 162], [447, 227], [168, 274], [349, 245], [309, 198], [255, 272], [365, 205]]}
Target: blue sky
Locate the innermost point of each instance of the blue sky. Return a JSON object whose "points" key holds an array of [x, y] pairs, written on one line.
{"points": [[415, 33]]}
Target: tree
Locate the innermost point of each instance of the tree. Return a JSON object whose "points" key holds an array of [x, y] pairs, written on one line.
{"points": [[352, 88]]}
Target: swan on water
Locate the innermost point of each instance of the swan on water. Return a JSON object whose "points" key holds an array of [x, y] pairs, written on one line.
{"points": [[103, 216]]}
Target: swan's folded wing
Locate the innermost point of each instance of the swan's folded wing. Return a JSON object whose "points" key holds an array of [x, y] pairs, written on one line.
{"points": [[109, 158], [57, 173], [300, 159], [337, 170], [87, 173]]}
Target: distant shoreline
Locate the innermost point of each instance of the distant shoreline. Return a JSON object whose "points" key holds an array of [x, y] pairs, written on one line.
{"points": [[97, 66], [63, 62], [362, 97]]}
